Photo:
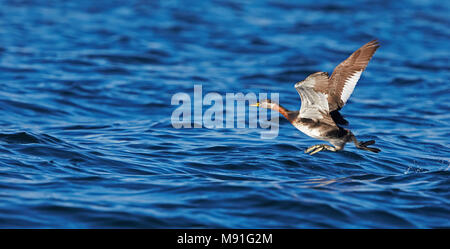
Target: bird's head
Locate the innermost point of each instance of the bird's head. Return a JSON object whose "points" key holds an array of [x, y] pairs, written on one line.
{"points": [[266, 103]]}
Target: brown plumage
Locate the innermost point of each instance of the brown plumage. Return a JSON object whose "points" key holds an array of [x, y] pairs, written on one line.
{"points": [[357, 62], [322, 97]]}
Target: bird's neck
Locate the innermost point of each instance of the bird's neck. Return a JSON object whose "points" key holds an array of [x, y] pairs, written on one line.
{"points": [[281, 110]]}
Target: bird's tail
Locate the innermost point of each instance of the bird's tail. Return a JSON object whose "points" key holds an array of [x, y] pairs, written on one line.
{"points": [[364, 145]]}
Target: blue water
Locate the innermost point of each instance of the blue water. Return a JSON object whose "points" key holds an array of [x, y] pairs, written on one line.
{"points": [[86, 139]]}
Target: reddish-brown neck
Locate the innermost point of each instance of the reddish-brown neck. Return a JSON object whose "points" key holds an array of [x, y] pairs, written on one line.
{"points": [[281, 110]]}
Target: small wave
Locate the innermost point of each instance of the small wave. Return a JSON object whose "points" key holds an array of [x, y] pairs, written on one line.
{"points": [[19, 138]]}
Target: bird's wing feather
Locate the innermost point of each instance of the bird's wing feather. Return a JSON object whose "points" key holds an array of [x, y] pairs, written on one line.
{"points": [[314, 96], [346, 75]]}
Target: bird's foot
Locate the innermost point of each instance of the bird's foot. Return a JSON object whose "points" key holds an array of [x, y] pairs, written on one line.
{"points": [[319, 147], [363, 146]]}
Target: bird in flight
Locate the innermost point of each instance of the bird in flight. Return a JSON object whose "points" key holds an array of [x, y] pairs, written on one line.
{"points": [[321, 99]]}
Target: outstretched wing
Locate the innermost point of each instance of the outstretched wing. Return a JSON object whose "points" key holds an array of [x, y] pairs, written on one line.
{"points": [[314, 94], [346, 75]]}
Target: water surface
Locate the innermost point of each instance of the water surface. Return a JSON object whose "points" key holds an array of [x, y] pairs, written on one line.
{"points": [[86, 138]]}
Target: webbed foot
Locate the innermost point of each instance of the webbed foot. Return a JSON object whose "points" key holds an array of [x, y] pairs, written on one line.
{"points": [[319, 147], [363, 146]]}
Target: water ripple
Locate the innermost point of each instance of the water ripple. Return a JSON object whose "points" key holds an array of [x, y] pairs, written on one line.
{"points": [[87, 139]]}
